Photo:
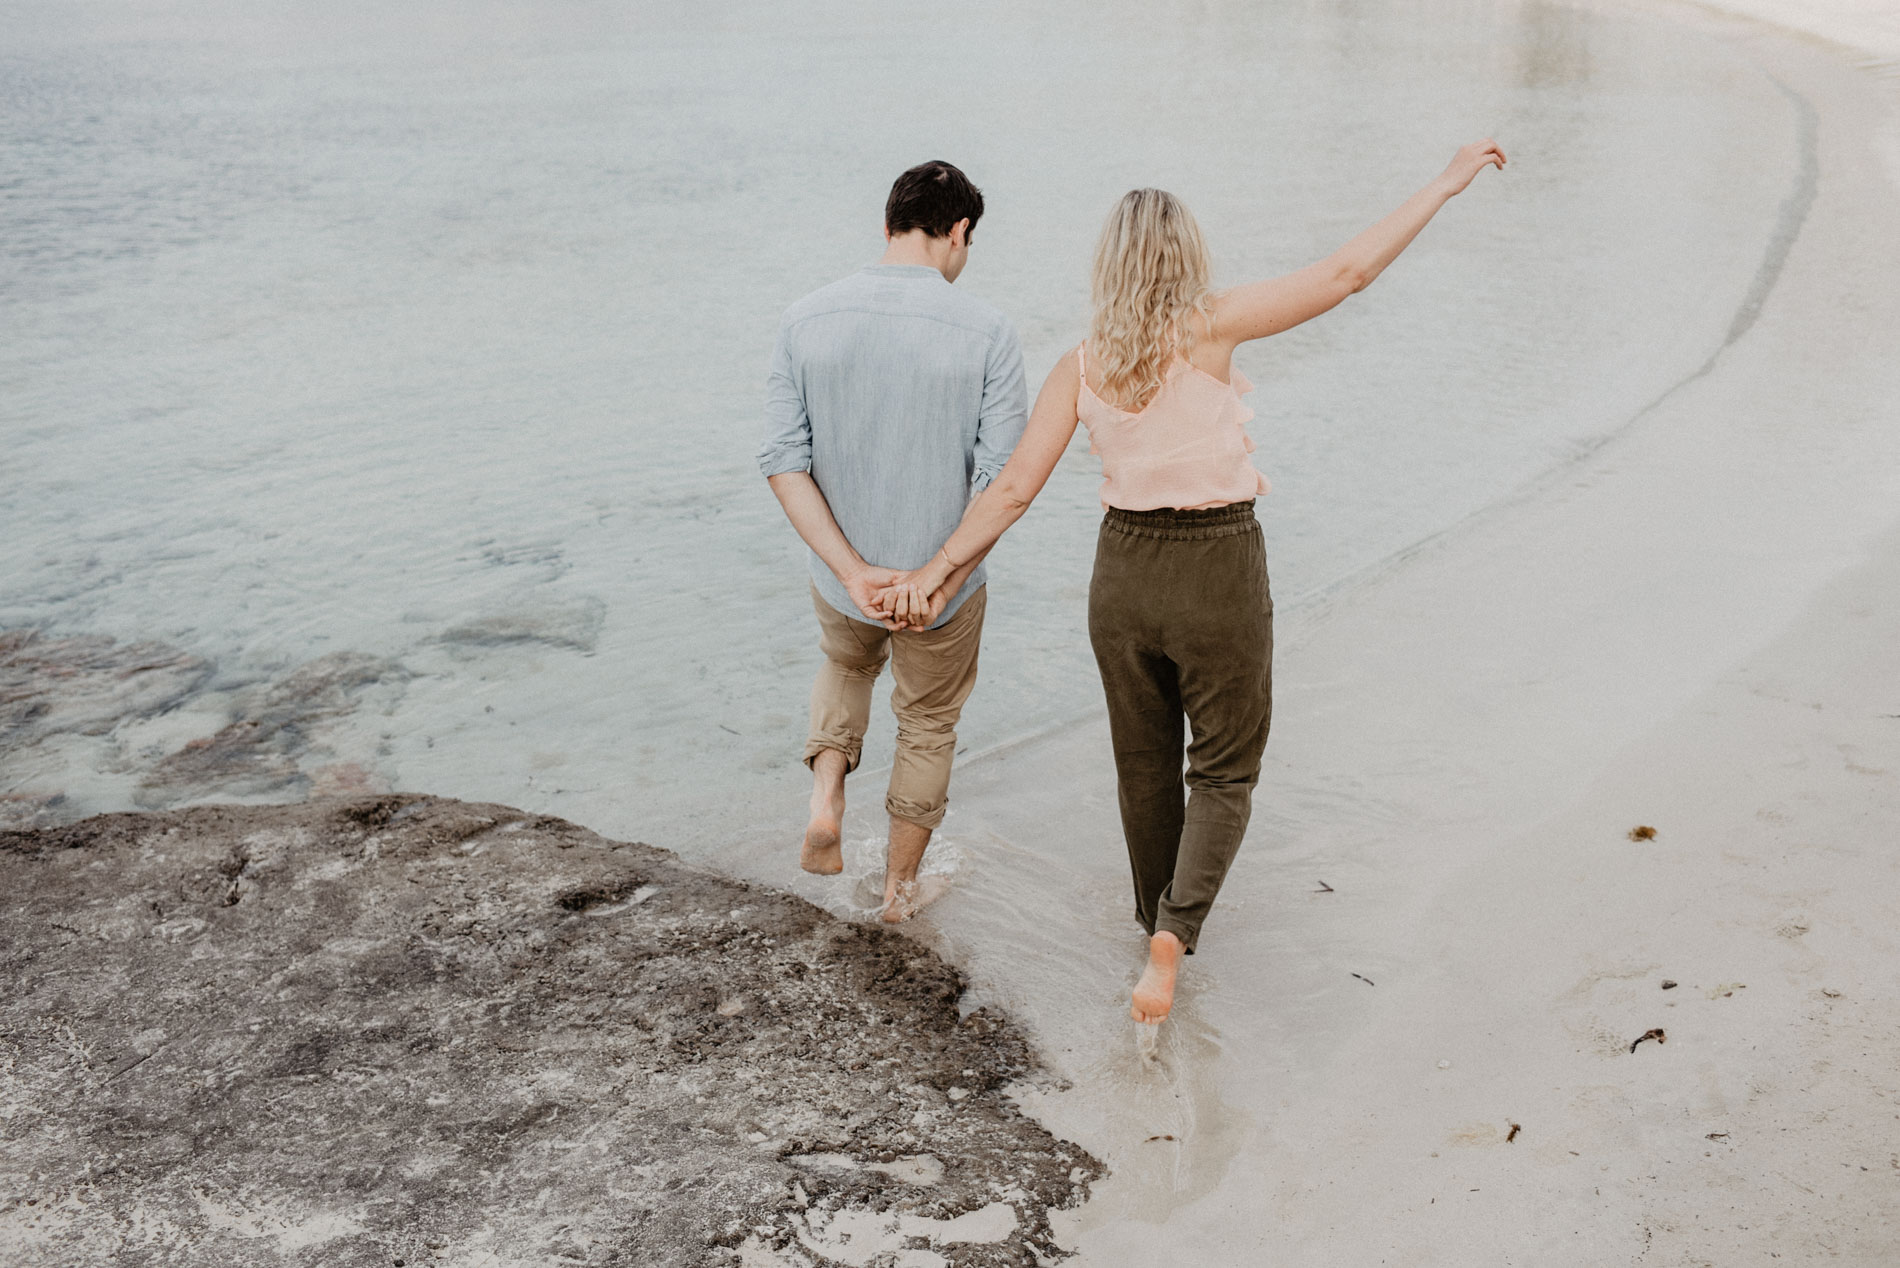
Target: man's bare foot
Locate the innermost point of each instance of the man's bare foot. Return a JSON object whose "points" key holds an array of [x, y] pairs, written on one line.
{"points": [[823, 851], [900, 902], [1154, 993], [901, 860]]}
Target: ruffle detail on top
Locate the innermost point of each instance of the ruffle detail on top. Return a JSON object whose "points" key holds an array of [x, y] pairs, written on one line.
{"points": [[1178, 450]]}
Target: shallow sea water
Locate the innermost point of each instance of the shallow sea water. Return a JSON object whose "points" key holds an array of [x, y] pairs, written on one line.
{"points": [[438, 335]]}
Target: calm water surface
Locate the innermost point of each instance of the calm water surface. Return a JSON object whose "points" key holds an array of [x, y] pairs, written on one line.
{"points": [[440, 335]]}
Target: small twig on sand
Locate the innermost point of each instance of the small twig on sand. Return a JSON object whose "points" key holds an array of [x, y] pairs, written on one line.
{"points": [[1655, 1033], [1512, 1134], [1363, 978], [1324, 888], [133, 1062]]}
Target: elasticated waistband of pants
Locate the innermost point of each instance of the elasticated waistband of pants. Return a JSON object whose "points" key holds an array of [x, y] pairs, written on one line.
{"points": [[1185, 526]]}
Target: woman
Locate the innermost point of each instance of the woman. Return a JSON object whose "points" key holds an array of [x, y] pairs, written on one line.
{"points": [[1179, 611]]}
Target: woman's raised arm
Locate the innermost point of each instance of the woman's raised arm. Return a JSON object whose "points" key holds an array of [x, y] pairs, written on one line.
{"points": [[1266, 308]]}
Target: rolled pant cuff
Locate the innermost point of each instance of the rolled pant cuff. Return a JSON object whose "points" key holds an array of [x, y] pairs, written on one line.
{"points": [[851, 754], [911, 812]]}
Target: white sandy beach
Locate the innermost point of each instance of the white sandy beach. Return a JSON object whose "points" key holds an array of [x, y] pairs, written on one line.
{"points": [[1695, 627]]}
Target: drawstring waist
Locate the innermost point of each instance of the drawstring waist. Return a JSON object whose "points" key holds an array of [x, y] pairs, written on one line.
{"points": [[1168, 524]]}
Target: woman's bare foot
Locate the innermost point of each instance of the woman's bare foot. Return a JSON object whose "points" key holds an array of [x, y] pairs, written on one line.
{"points": [[823, 851], [1154, 993]]}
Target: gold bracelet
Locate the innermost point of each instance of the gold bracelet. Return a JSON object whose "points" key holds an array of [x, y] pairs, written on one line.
{"points": [[944, 550]]}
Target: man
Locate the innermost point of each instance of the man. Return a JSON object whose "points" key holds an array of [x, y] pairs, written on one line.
{"points": [[893, 398]]}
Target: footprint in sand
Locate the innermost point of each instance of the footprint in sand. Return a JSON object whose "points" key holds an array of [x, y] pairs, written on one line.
{"points": [[1173, 1137]]}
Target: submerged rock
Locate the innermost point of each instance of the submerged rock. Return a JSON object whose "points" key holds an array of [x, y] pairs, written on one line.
{"points": [[257, 754], [406, 1030], [86, 683], [575, 627], [77, 714]]}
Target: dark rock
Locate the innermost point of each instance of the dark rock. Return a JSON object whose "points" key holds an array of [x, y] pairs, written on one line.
{"points": [[408, 1029]]}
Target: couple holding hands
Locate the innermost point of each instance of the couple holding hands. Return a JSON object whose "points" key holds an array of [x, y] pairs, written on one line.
{"points": [[900, 443]]}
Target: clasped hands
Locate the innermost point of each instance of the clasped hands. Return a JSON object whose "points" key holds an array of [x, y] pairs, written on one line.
{"points": [[899, 600]]}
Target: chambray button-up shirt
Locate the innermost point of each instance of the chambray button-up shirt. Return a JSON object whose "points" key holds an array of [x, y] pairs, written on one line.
{"points": [[902, 396]]}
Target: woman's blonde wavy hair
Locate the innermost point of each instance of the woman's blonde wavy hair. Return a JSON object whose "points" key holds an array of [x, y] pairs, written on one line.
{"points": [[1150, 277]]}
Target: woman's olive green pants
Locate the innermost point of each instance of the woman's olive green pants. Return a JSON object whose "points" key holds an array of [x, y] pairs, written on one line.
{"points": [[1182, 624]]}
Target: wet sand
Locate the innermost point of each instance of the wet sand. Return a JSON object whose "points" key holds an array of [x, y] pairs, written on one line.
{"points": [[1409, 1035]]}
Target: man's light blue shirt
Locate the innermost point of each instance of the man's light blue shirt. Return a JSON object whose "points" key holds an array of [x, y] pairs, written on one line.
{"points": [[902, 396]]}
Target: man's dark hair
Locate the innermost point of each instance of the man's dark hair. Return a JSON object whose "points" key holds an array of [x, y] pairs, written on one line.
{"points": [[932, 196]]}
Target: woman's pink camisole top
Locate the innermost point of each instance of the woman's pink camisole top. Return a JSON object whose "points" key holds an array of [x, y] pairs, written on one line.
{"points": [[1186, 449]]}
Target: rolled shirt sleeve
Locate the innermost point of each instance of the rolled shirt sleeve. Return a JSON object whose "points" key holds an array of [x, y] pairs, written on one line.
{"points": [[1005, 409], [787, 443]]}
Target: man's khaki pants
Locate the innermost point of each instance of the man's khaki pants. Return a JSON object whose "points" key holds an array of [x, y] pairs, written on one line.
{"points": [[932, 671]]}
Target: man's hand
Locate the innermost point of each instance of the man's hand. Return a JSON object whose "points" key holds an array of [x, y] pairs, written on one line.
{"points": [[905, 601], [868, 586]]}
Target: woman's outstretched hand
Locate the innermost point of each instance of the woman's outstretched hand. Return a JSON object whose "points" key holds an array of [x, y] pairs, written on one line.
{"points": [[1467, 163]]}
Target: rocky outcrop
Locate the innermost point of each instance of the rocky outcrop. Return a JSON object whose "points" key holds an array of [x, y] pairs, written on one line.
{"points": [[402, 1030]]}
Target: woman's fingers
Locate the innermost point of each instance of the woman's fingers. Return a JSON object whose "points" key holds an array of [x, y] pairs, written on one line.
{"points": [[1474, 158]]}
